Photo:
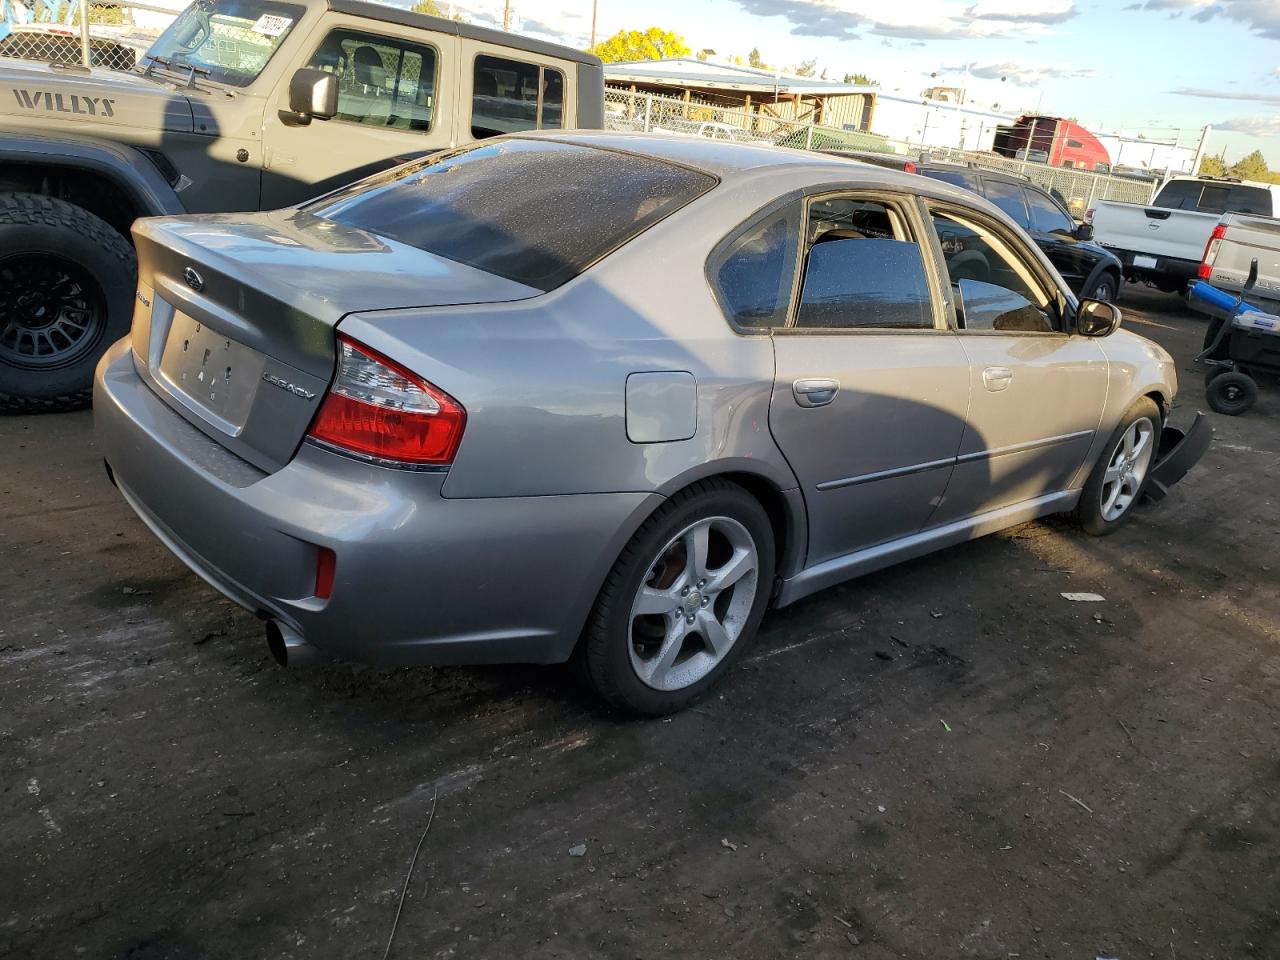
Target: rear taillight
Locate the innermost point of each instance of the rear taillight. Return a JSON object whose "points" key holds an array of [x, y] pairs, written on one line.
{"points": [[910, 167], [1211, 251], [1088, 215], [376, 409]]}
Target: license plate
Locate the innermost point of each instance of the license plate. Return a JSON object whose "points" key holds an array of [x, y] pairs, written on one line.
{"points": [[213, 372], [1144, 262]]}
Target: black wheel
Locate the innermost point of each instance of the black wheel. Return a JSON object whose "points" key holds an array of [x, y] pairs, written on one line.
{"points": [[1231, 393], [66, 293], [682, 602], [1106, 288], [1121, 473]]}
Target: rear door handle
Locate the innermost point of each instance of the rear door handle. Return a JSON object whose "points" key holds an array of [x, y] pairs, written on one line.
{"points": [[996, 379], [815, 392]]}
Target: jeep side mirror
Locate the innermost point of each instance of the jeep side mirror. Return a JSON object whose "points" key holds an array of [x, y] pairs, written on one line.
{"points": [[313, 93], [1097, 318], [1083, 231]]}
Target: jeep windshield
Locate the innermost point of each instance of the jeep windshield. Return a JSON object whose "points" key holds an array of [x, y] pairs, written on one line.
{"points": [[226, 41]]}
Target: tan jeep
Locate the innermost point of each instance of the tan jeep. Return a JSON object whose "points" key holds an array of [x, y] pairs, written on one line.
{"points": [[239, 105]]}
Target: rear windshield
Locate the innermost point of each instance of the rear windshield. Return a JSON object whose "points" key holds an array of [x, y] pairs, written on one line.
{"points": [[1210, 196], [535, 211]]}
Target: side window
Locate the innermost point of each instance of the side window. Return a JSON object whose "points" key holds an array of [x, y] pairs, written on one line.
{"points": [[382, 82], [994, 289], [955, 178], [754, 273], [511, 95], [1008, 197], [861, 269], [1047, 216]]}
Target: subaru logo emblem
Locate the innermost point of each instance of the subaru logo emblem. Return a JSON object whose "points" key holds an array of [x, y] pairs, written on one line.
{"points": [[193, 278]]}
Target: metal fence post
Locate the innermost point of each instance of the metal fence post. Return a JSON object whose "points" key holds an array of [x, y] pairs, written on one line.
{"points": [[1093, 188], [648, 109], [808, 137], [85, 56]]}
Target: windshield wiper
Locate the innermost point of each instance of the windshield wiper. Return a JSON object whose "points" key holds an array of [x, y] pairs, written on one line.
{"points": [[173, 66]]}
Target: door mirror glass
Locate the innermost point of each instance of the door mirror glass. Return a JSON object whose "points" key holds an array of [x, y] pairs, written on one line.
{"points": [[1083, 232], [1096, 318], [313, 93]]}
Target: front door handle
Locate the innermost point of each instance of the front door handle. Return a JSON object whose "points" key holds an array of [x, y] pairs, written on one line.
{"points": [[815, 392], [996, 379]]}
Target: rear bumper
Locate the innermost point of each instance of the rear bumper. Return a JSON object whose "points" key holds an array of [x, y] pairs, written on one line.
{"points": [[1171, 270], [419, 578], [1178, 453]]}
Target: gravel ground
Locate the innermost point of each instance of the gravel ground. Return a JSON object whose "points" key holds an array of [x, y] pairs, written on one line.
{"points": [[943, 760]]}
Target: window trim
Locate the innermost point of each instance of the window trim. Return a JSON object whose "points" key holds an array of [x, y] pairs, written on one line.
{"points": [[901, 203], [388, 38], [542, 69], [1062, 304]]}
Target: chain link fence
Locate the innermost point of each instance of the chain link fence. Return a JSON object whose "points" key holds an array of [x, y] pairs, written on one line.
{"points": [[71, 32], [1077, 190]]}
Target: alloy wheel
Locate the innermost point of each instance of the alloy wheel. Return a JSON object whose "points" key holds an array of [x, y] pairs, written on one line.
{"points": [[1127, 468], [693, 603], [51, 311]]}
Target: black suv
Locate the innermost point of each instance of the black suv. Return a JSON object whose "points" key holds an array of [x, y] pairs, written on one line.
{"points": [[1090, 270]]}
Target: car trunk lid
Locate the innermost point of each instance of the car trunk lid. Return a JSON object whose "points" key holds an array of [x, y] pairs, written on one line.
{"points": [[236, 315]]}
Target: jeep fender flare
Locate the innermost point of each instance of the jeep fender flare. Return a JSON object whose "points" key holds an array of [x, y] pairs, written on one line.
{"points": [[124, 166]]}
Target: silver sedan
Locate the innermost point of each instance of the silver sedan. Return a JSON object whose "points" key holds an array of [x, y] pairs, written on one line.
{"points": [[609, 397]]}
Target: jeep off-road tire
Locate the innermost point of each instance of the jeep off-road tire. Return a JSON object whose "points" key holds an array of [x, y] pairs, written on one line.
{"points": [[66, 294]]}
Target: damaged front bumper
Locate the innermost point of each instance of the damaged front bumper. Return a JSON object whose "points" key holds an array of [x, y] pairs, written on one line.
{"points": [[1179, 452]]}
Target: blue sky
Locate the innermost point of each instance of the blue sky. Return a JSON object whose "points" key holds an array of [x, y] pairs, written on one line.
{"points": [[1158, 67]]}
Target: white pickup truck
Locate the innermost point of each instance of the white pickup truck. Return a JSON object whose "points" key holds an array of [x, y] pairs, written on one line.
{"points": [[1237, 241], [1163, 242]]}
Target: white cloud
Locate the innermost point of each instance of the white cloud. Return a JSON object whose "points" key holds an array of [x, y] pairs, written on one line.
{"points": [[1253, 126], [916, 19], [1261, 16], [1226, 95], [1019, 73]]}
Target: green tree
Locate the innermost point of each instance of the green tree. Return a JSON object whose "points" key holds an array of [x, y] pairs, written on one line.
{"points": [[1251, 167], [861, 79], [754, 59], [807, 68], [652, 44], [433, 9], [1212, 166]]}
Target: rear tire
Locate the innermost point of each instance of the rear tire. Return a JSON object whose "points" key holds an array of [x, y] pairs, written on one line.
{"points": [[67, 281], [1231, 393], [665, 629], [1121, 473]]}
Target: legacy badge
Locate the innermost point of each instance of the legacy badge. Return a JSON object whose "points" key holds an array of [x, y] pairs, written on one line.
{"points": [[284, 384]]}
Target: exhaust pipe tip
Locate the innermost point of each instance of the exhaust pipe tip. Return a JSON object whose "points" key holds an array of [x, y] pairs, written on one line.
{"points": [[288, 648]]}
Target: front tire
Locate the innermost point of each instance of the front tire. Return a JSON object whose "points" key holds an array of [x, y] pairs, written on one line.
{"points": [[66, 294], [682, 602], [1106, 288], [1121, 473]]}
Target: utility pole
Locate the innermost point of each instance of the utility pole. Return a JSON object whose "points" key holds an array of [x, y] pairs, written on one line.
{"points": [[1200, 150], [595, 5], [506, 15]]}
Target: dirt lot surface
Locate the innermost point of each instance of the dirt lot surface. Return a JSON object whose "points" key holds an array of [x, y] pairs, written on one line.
{"points": [[943, 760]]}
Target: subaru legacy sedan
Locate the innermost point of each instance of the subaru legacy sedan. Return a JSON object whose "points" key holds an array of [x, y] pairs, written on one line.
{"points": [[608, 397]]}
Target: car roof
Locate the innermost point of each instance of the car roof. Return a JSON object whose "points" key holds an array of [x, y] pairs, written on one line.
{"points": [[721, 158]]}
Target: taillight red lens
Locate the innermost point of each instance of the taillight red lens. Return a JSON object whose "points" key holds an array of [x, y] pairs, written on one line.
{"points": [[378, 409], [910, 167], [1211, 251]]}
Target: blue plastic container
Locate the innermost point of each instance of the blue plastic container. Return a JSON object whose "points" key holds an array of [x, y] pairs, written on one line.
{"points": [[1206, 296]]}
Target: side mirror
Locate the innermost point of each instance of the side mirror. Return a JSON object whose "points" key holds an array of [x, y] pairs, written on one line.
{"points": [[313, 93], [1097, 318], [1253, 276], [1084, 232]]}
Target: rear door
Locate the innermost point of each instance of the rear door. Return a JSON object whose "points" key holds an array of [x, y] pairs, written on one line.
{"points": [[1037, 392], [871, 387]]}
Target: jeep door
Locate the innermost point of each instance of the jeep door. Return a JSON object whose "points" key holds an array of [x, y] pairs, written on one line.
{"points": [[871, 387], [396, 87]]}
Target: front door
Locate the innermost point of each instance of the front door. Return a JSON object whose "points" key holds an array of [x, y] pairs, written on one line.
{"points": [[871, 387], [393, 94], [1037, 392]]}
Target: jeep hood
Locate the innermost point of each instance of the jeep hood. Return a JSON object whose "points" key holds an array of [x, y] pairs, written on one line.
{"points": [[37, 91]]}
